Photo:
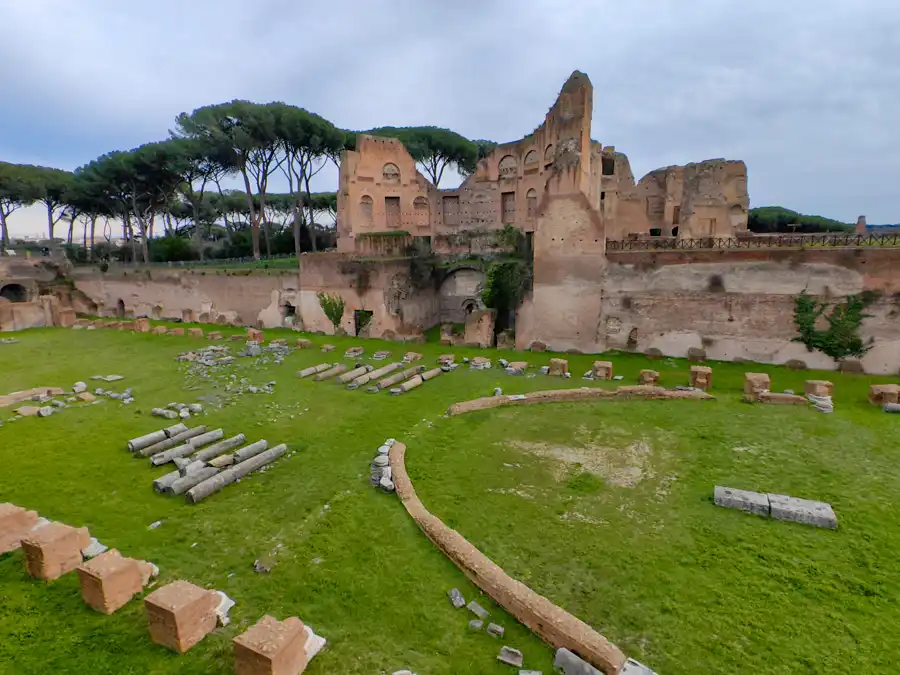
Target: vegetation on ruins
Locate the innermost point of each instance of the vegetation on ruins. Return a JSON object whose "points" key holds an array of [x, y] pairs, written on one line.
{"points": [[435, 149], [841, 338], [333, 306], [605, 508], [508, 279]]}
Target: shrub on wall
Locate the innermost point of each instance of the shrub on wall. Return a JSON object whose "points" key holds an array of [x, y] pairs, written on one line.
{"points": [[333, 306], [841, 339]]}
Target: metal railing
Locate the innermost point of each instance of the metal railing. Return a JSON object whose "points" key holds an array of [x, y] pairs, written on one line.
{"points": [[757, 242]]}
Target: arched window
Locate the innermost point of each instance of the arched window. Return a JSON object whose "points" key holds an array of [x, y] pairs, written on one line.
{"points": [[548, 154], [14, 293], [531, 201], [366, 208], [509, 168], [531, 157], [390, 173]]}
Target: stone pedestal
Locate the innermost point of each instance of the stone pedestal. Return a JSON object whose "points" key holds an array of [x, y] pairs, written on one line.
{"points": [[111, 580], [480, 329], [271, 647], [558, 367], [54, 550], [15, 523], [819, 387], [180, 614], [701, 377], [177, 331], [648, 377], [754, 385], [142, 325], [66, 318], [603, 370], [255, 335], [880, 394], [195, 332], [160, 330]]}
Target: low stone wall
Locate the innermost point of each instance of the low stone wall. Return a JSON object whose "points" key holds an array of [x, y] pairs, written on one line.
{"points": [[568, 395], [553, 624]]}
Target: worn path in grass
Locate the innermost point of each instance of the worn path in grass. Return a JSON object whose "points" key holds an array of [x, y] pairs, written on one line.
{"points": [[642, 555]]}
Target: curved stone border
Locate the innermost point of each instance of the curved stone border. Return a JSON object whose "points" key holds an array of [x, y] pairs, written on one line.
{"points": [[553, 624], [581, 394]]}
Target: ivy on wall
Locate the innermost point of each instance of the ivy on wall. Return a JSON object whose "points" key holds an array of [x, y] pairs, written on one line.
{"points": [[841, 338]]}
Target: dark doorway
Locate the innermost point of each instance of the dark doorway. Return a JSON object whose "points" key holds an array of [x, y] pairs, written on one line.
{"points": [[361, 320], [120, 309], [287, 309], [14, 293]]}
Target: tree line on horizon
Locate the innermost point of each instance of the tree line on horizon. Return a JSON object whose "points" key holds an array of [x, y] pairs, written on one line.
{"points": [[178, 182]]}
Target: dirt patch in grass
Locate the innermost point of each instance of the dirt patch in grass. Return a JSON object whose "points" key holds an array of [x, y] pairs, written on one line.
{"points": [[622, 467]]}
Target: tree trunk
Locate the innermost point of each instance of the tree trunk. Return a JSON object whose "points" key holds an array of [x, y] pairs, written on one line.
{"points": [[93, 232], [4, 232], [203, 490], [254, 221], [311, 220], [71, 230], [198, 240], [50, 223], [296, 228], [267, 234]]}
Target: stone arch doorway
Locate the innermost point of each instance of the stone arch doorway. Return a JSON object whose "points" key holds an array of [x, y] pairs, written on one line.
{"points": [[14, 293], [459, 294], [120, 308]]}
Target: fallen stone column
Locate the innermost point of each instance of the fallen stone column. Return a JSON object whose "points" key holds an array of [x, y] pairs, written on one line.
{"points": [[411, 383], [147, 440], [207, 438], [161, 483], [430, 374], [219, 448], [185, 483], [167, 456], [314, 370], [399, 377], [250, 451], [175, 429], [374, 375], [337, 370], [177, 439], [206, 488], [353, 374], [781, 399]]}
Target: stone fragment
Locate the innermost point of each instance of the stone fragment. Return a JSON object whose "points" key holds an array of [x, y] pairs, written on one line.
{"points": [[495, 629], [54, 550], [255, 335], [160, 330], [46, 411], [602, 370], [354, 353], [781, 399], [15, 523], [195, 332], [881, 394], [701, 377], [79, 387], [803, 511], [93, 549], [271, 647], [745, 500], [176, 331], [214, 335], [754, 385], [632, 667], [446, 359], [181, 614], [558, 367], [222, 461], [537, 346], [409, 357], [303, 343], [327, 348], [478, 610], [27, 411], [818, 388], [110, 580], [649, 377], [456, 598], [517, 368], [569, 663], [142, 325], [511, 657], [476, 624]]}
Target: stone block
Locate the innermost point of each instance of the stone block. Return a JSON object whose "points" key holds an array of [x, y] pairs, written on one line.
{"points": [[558, 367], [195, 332], [86, 397], [446, 359], [181, 614], [66, 318], [255, 335], [176, 331], [15, 523], [537, 346], [781, 399], [696, 354], [632, 667], [648, 377], [142, 325], [160, 330], [881, 394], [110, 580], [701, 377], [27, 411], [602, 370], [327, 348], [517, 368], [214, 335], [303, 343], [271, 647], [808, 512], [754, 385], [126, 326], [511, 657], [818, 388], [744, 500], [54, 550], [409, 357], [479, 331], [568, 663]]}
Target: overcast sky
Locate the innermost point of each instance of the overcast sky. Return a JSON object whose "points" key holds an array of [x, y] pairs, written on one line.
{"points": [[807, 92]]}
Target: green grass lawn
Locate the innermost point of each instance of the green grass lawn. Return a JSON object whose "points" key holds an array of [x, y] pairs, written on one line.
{"points": [[604, 507]]}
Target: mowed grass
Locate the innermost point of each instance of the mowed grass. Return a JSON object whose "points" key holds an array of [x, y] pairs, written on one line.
{"points": [[604, 507]]}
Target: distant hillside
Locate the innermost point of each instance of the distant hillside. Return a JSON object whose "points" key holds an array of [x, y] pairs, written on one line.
{"points": [[777, 218]]}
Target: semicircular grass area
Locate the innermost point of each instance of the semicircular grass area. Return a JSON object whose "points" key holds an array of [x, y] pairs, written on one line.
{"points": [[606, 509]]}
